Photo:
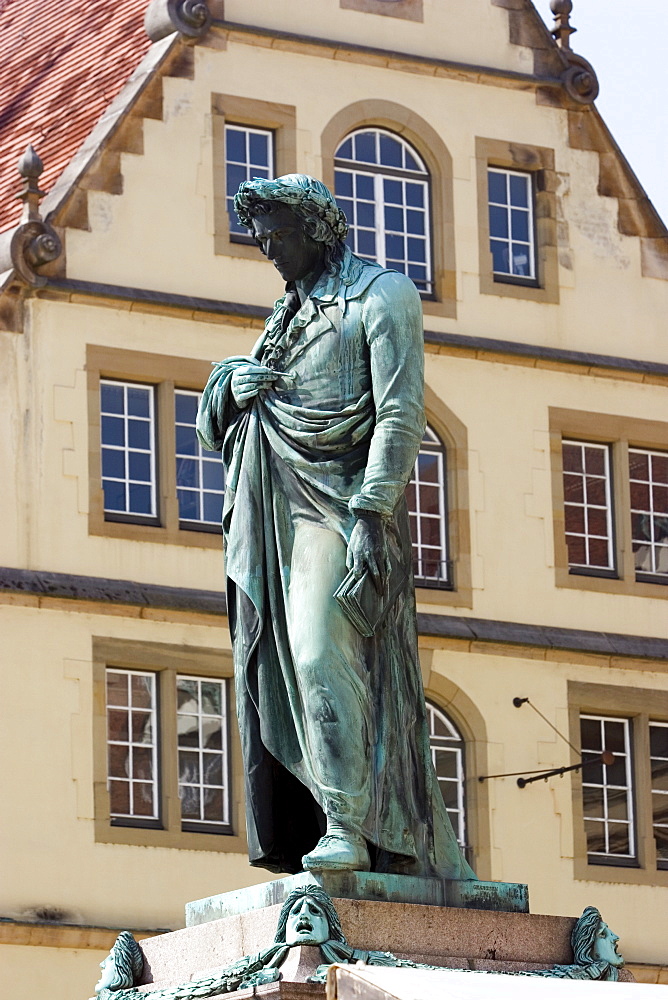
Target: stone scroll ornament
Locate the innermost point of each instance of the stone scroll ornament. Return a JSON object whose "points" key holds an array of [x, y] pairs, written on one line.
{"points": [[308, 918]]}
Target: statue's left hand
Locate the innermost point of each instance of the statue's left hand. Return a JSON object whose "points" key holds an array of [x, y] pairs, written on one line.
{"points": [[367, 548]]}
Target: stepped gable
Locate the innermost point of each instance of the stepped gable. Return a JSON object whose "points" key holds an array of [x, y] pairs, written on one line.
{"points": [[63, 62]]}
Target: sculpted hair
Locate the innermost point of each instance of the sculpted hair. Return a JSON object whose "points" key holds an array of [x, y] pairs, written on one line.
{"points": [[128, 962], [584, 936], [313, 204], [323, 901]]}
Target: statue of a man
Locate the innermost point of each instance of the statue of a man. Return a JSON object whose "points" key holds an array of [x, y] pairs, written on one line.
{"points": [[320, 428]]}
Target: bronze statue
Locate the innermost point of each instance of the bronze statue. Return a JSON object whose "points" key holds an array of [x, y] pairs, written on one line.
{"points": [[320, 428]]}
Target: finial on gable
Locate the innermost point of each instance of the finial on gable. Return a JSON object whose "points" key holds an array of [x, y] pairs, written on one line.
{"points": [[562, 30], [33, 242]]}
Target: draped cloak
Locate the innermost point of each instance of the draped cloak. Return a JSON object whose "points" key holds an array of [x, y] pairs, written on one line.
{"points": [[341, 435]]}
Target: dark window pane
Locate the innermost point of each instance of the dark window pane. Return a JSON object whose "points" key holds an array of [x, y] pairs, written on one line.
{"points": [[139, 466], [596, 491], [661, 837], [660, 498], [395, 247], [259, 149], [112, 398], [235, 177], [345, 150], [138, 401], [614, 737], [597, 522], [496, 184], [364, 187], [449, 793], [618, 838], [213, 805], [618, 805], [392, 192], [189, 802], [431, 532], [142, 763], [521, 260], [660, 808], [117, 688], [113, 464], [595, 461], [640, 496], [235, 144], [519, 190], [142, 729], [213, 507], [188, 505], [658, 741], [186, 408], [429, 499], [188, 731], [595, 833], [118, 758], [498, 223], [189, 766], [616, 772], [590, 735], [575, 521], [119, 798], [114, 496], [416, 250], [213, 738], [428, 468], [520, 223], [394, 219], [418, 272], [415, 222], [411, 163], [139, 434], [366, 214], [390, 152], [186, 441], [573, 488], [212, 475], [142, 691], [343, 182], [500, 261], [577, 553], [187, 472], [365, 147], [213, 768], [660, 468], [415, 195], [113, 430], [598, 553], [572, 458], [366, 243], [660, 776], [592, 802], [143, 798], [638, 465], [117, 725]]}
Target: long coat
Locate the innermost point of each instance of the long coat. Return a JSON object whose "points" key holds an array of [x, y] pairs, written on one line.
{"points": [[330, 723]]}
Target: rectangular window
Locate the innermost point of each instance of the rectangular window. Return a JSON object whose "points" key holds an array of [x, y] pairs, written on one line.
{"points": [[249, 152], [199, 473], [607, 791], [648, 477], [196, 729], [658, 748], [132, 766], [588, 506], [202, 748], [511, 224], [427, 511], [127, 416]]}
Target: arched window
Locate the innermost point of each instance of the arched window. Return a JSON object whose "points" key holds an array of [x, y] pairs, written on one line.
{"points": [[447, 754], [383, 187], [427, 508]]}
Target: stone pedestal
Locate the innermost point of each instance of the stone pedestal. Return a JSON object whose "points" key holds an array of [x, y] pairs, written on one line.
{"points": [[488, 929]]}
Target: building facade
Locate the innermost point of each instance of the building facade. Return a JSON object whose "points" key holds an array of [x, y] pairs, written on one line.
{"points": [[463, 143]]}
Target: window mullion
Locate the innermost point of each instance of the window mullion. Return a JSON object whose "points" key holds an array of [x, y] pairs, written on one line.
{"points": [[622, 509], [165, 422], [167, 751], [380, 219], [643, 793]]}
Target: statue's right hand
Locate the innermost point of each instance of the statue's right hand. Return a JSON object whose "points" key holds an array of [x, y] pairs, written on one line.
{"points": [[248, 380]]}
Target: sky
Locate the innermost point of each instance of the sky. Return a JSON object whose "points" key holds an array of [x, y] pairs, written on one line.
{"points": [[626, 43]]}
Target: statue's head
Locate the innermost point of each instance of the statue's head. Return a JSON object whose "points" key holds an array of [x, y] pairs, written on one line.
{"points": [[593, 941], [123, 966], [308, 917], [295, 221]]}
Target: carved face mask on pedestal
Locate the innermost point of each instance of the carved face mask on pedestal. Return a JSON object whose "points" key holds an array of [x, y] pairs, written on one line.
{"points": [[605, 946], [306, 924]]}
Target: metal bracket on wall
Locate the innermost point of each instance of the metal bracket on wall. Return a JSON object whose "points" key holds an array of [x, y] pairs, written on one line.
{"points": [[606, 757]]}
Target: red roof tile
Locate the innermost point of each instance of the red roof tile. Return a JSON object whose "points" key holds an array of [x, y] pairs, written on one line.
{"points": [[61, 63]]}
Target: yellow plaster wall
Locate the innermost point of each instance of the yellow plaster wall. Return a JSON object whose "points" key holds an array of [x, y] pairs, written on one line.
{"points": [[473, 31], [60, 973], [165, 214]]}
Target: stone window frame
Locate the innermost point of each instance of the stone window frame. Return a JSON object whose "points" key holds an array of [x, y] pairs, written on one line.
{"points": [[454, 438], [404, 122], [619, 433], [166, 661], [281, 119], [539, 161], [408, 10], [450, 699], [165, 373], [640, 706]]}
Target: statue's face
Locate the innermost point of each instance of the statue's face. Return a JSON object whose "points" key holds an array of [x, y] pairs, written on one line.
{"points": [[605, 946], [307, 923], [108, 967], [284, 242]]}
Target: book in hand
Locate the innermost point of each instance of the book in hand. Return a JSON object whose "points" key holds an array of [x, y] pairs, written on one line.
{"points": [[363, 604]]}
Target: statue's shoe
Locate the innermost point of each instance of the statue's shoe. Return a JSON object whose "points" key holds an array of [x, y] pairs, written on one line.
{"points": [[338, 852]]}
